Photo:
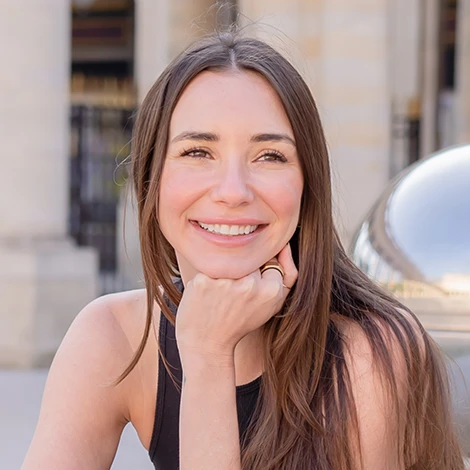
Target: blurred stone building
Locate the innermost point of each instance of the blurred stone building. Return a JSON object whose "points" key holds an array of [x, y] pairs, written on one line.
{"points": [[388, 77]]}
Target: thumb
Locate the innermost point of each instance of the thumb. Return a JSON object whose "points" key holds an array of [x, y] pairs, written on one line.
{"points": [[286, 261]]}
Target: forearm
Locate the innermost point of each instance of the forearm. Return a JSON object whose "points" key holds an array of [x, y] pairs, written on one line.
{"points": [[209, 437]]}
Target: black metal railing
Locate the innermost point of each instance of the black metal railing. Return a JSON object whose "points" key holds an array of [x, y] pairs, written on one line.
{"points": [[100, 144]]}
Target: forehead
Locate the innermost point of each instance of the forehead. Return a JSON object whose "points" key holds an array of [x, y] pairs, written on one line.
{"points": [[229, 100]]}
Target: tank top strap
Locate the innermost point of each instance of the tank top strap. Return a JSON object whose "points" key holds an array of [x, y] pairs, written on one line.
{"points": [[164, 446]]}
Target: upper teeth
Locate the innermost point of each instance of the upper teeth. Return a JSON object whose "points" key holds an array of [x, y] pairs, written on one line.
{"points": [[229, 229]]}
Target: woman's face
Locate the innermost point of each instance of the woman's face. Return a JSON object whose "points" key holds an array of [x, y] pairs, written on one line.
{"points": [[232, 184]]}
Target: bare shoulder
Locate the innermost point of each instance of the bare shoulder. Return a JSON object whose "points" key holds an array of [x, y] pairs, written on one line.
{"points": [[399, 339], [100, 336], [360, 353], [111, 327], [380, 408], [396, 335], [129, 310], [120, 318], [83, 413]]}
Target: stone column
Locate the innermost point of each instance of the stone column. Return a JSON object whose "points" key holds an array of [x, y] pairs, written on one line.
{"points": [[44, 279], [152, 35], [405, 74], [430, 75], [341, 49], [462, 63], [162, 29]]}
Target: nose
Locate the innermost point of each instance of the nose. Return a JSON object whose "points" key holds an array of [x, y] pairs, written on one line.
{"points": [[231, 186]]}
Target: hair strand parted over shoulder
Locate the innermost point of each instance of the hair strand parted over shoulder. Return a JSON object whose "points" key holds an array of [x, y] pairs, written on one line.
{"points": [[307, 416]]}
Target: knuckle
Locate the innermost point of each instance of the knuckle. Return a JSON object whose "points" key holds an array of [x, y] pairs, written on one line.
{"points": [[224, 283], [199, 281], [248, 285]]}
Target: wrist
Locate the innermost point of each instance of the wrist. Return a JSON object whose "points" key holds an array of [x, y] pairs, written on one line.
{"points": [[207, 363], [207, 359], [205, 353], [200, 370]]}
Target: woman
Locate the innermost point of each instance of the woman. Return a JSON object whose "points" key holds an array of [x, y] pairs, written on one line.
{"points": [[283, 355]]}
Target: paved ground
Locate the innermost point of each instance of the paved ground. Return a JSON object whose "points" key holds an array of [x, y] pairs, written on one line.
{"points": [[20, 398]]}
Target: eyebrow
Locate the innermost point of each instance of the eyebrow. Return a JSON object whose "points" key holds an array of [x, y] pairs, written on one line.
{"points": [[205, 136], [211, 137], [273, 138]]}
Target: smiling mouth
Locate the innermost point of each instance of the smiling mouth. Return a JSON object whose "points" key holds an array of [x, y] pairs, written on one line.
{"points": [[228, 230]]}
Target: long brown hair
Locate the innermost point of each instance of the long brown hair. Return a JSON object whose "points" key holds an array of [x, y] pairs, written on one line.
{"points": [[303, 421]]}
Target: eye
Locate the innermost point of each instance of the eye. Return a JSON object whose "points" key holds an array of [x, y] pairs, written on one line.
{"points": [[272, 156], [194, 153]]}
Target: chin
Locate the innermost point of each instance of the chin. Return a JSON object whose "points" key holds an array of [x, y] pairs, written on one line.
{"points": [[227, 271]]}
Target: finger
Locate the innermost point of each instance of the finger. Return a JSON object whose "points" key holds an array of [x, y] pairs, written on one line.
{"points": [[287, 263], [274, 275], [271, 273]]}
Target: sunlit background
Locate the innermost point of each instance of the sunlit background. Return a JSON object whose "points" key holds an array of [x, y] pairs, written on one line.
{"points": [[390, 78]]}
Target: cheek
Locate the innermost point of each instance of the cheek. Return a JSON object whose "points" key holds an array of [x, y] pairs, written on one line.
{"points": [[171, 182], [179, 188], [289, 203], [169, 198]]}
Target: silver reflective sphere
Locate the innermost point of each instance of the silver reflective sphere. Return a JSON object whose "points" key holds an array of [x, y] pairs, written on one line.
{"points": [[416, 243]]}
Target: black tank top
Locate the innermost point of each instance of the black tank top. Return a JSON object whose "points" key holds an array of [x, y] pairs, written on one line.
{"points": [[164, 446]]}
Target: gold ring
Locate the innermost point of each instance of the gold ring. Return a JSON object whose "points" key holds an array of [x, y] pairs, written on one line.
{"points": [[283, 285], [272, 266]]}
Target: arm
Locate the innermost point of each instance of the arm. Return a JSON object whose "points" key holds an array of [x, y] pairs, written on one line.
{"points": [[82, 418], [208, 420], [214, 315]]}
